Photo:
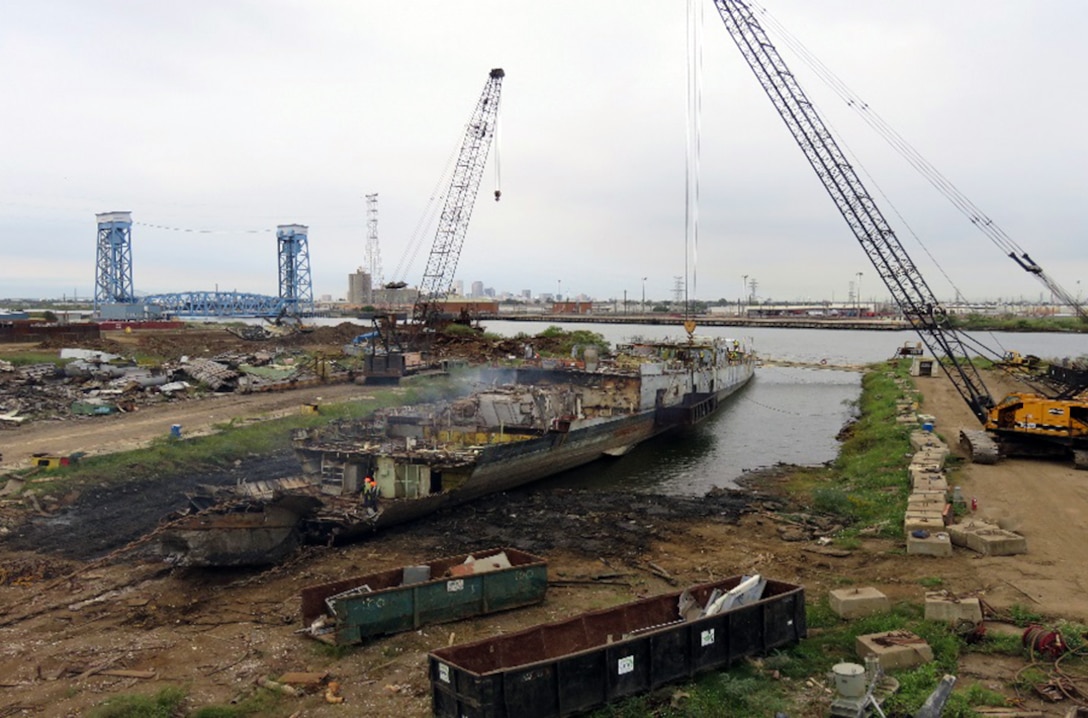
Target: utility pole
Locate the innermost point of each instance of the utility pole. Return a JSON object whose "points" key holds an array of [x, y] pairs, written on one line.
{"points": [[857, 287], [642, 307]]}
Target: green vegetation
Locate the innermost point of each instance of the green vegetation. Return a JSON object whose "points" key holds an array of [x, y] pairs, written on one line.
{"points": [[460, 330], [1011, 323], [164, 704], [28, 358], [169, 703], [562, 342], [261, 703], [867, 484]]}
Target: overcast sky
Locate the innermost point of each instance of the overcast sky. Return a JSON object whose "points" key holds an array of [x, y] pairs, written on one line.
{"points": [[236, 116]]}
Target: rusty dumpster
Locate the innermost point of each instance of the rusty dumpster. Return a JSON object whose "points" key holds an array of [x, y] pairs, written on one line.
{"points": [[403, 599], [572, 666]]}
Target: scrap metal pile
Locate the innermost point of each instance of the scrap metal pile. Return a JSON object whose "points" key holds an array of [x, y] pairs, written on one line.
{"points": [[89, 383]]}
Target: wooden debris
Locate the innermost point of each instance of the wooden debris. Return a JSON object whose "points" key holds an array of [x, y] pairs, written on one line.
{"points": [[827, 551], [98, 668], [128, 673], [661, 573], [276, 686]]}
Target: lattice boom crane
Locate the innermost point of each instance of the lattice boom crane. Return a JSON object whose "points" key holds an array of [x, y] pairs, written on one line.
{"points": [[460, 198], [1022, 423]]}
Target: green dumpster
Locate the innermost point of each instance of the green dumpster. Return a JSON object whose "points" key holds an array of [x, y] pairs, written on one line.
{"points": [[441, 590]]}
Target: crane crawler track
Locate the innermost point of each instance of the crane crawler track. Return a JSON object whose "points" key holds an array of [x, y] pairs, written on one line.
{"points": [[980, 446]]}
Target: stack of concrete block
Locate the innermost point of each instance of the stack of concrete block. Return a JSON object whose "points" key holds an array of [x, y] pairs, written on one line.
{"points": [[927, 513]]}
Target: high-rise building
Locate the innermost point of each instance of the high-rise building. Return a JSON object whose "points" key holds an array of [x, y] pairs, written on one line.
{"points": [[477, 289], [459, 287], [360, 291]]}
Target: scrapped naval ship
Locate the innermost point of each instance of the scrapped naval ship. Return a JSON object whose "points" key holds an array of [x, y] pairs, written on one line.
{"points": [[525, 423]]}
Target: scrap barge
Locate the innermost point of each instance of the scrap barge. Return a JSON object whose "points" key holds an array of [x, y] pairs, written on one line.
{"points": [[529, 423]]}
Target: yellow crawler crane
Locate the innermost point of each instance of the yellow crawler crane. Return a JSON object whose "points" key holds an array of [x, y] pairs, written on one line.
{"points": [[1021, 424]]}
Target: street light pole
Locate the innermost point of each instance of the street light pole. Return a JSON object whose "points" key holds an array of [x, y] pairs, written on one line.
{"points": [[642, 308], [857, 288], [559, 290], [744, 293]]}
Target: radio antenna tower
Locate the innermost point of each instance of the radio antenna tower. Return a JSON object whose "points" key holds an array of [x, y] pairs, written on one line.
{"points": [[373, 257]]}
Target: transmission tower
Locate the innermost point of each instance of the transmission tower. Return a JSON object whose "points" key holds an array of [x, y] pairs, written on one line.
{"points": [[677, 289], [373, 252], [113, 266], [296, 287]]}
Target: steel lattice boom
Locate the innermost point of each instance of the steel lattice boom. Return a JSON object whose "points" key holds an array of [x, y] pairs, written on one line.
{"points": [[460, 198], [839, 178]]}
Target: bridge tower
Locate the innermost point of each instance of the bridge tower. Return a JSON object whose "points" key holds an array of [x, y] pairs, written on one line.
{"points": [[296, 286], [113, 264]]}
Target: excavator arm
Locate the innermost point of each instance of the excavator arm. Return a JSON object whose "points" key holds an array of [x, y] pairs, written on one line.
{"points": [[889, 258]]}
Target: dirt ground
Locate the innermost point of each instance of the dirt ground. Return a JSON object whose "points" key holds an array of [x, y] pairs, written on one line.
{"points": [[67, 619]]}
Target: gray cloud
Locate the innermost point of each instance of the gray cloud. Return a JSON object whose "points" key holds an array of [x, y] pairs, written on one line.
{"points": [[236, 116]]}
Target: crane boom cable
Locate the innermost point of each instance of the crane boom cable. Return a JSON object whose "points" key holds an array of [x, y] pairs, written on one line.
{"points": [[435, 200], [914, 158], [870, 228], [692, 168]]}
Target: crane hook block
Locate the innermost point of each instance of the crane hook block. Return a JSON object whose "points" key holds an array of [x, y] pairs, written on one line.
{"points": [[498, 195]]}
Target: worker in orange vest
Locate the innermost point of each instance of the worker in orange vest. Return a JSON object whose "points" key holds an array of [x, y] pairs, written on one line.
{"points": [[370, 493]]}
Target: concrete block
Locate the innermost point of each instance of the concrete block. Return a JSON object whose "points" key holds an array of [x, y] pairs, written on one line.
{"points": [[895, 649], [947, 608], [930, 501], [931, 521], [925, 439], [906, 419], [924, 471], [986, 538], [933, 484], [931, 454], [936, 544], [857, 602]]}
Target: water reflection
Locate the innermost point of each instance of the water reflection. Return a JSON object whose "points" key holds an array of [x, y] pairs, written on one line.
{"points": [[783, 415]]}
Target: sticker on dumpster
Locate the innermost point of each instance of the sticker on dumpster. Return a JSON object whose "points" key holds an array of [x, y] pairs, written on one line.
{"points": [[455, 585], [444, 672], [626, 665], [707, 637]]}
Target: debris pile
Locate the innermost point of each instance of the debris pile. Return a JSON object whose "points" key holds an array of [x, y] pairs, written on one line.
{"points": [[92, 383]]}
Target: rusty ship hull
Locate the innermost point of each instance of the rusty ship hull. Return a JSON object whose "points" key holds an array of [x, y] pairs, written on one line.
{"points": [[531, 423]]}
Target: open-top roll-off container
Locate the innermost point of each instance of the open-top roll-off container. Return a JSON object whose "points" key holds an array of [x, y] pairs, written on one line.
{"points": [[572, 666]]}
